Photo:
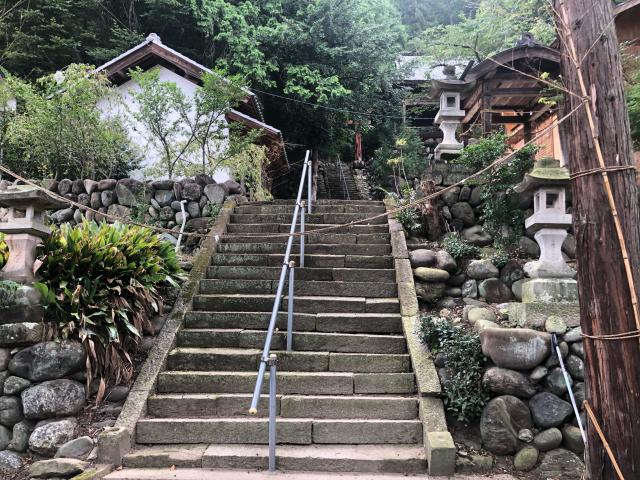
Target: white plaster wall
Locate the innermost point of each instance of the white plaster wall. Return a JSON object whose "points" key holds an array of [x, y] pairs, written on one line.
{"points": [[126, 107]]}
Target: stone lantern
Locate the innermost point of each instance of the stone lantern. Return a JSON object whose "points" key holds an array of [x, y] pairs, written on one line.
{"points": [[551, 288], [24, 228], [450, 115]]}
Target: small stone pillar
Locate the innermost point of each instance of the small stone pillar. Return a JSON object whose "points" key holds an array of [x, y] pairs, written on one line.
{"points": [[24, 228], [551, 288]]}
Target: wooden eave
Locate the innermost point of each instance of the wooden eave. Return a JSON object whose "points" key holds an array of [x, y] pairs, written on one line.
{"points": [[623, 7]]}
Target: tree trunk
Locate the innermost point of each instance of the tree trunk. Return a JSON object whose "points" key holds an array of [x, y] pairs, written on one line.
{"points": [[612, 367]]}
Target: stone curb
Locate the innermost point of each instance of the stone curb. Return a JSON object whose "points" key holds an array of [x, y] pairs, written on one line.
{"points": [[115, 442], [438, 442]]}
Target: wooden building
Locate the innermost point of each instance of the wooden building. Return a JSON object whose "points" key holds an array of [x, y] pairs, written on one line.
{"points": [[627, 20]]}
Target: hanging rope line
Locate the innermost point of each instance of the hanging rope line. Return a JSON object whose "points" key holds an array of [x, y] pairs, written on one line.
{"points": [[328, 228]]}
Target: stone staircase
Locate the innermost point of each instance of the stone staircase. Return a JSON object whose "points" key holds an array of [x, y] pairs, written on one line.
{"points": [[346, 395], [331, 184]]}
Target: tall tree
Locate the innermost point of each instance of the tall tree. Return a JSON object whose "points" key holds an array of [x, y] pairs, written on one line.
{"points": [[606, 220], [492, 26], [418, 15]]}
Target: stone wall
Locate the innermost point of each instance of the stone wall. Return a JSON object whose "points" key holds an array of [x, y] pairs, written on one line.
{"points": [[154, 202]]}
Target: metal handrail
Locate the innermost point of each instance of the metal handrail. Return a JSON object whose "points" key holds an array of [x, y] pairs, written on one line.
{"points": [[269, 359], [344, 179]]}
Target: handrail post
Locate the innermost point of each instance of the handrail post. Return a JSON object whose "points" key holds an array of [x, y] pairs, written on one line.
{"points": [[302, 235], [309, 184], [273, 360], [292, 269]]}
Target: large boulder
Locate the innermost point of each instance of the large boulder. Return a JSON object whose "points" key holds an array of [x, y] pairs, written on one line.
{"points": [[422, 258], [164, 197], [10, 460], [556, 383], [50, 435], [526, 459], [107, 184], [476, 235], [18, 334], [191, 192], [464, 212], [494, 291], [234, 187], [48, 360], [470, 288], [54, 398], [14, 385], [107, 198], [21, 433], [216, 193], [427, 274], [482, 269], [64, 186], [548, 410], [57, 468], [430, 292], [203, 179], [511, 272], [78, 448], [560, 463], [548, 439], [502, 418], [62, 216], [10, 411], [575, 365], [508, 382], [515, 348], [119, 211], [129, 192], [5, 437], [529, 248], [444, 261]]}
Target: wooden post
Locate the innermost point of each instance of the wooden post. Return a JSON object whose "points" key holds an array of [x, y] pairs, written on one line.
{"points": [[608, 244]]}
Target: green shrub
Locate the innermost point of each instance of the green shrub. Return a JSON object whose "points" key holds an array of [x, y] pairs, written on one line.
{"points": [[4, 251], [499, 201], [101, 284], [498, 257], [459, 248], [465, 397], [409, 218]]}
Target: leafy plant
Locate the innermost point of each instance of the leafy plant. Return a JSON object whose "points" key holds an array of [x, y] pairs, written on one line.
{"points": [[409, 218], [58, 130], [464, 363], [499, 201], [498, 257], [399, 155], [101, 283], [633, 102], [4, 251], [459, 248]]}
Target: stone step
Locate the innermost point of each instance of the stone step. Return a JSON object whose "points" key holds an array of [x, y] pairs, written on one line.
{"points": [[321, 238], [313, 248], [306, 273], [296, 431], [302, 341], [287, 406], [301, 287], [288, 209], [311, 218], [321, 322], [244, 359], [257, 228], [300, 383], [320, 202], [404, 459], [310, 260], [302, 304]]}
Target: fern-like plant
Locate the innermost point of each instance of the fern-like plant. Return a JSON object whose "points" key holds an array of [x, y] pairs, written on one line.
{"points": [[100, 283]]}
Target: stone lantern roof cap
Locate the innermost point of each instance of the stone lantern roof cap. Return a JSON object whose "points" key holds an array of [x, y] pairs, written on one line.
{"points": [[21, 196], [546, 172]]}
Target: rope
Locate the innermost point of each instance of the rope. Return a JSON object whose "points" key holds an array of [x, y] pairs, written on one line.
{"points": [[603, 439], [602, 170], [413, 204]]}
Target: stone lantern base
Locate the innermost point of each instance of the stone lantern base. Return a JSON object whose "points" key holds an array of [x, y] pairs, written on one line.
{"points": [[543, 297], [22, 256]]}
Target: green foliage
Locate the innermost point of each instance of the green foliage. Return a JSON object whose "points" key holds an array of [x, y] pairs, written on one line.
{"points": [[101, 284], [464, 362], [499, 201], [459, 248], [417, 15], [409, 218], [400, 155], [189, 135], [40, 37], [493, 26], [59, 132], [498, 256], [7, 293], [4, 251]]}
